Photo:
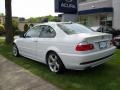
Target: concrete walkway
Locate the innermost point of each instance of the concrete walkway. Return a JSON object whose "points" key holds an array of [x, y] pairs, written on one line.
{"points": [[14, 77]]}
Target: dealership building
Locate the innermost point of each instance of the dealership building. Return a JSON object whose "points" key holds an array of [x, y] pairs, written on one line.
{"points": [[90, 12]]}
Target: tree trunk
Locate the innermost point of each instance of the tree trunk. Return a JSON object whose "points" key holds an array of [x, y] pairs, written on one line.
{"points": [[8, 22]]}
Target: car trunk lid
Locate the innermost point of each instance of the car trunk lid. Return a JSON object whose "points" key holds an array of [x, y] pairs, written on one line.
{"points": [[101, 41]]}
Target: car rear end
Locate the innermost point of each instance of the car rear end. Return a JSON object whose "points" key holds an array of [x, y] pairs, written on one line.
{"points": [[117, 41], [89, 50]]}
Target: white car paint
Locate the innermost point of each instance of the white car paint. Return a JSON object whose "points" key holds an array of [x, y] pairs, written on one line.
{"points": [[95, 28], [64, 45]]}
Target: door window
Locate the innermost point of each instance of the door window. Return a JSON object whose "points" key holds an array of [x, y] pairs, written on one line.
{"points": [[47, 32], [33, 32]]}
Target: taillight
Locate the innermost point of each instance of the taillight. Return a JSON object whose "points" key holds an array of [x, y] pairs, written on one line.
{"points": [[84, 47]]}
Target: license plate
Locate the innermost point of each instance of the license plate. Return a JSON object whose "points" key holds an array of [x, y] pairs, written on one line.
{"points": [[103, 45]]}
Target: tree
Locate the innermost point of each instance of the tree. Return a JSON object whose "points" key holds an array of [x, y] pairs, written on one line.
{"points": [[43, 19], [1, 27], [2, 31], [1, 14], [8, 22], [14, 26], [26, 27], [32, 20]]}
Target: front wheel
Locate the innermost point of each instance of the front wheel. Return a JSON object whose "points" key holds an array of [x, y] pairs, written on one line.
{"points": [[54, 63], [15, 51]]}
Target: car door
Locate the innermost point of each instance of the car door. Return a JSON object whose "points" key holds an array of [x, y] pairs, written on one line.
{"points": [[29, 43], [47, 36]]}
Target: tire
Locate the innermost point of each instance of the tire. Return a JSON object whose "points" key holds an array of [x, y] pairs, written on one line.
{"points": [[54, 63], [15, 51]]}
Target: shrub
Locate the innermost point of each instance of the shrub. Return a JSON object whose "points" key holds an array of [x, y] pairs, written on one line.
{"points": [[31, 25], [14, 26], [2, 29], [18, 32], [26, 27]]}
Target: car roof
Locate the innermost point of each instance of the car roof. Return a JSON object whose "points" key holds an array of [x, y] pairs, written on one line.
{"points": [[53, 23]]}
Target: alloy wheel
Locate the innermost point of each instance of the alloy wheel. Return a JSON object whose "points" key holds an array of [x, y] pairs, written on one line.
{"points": [[15, 50], [53, 63]]}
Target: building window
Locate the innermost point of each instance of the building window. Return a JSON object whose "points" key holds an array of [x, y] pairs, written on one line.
{"points": [[106, 20], [84, 20]]}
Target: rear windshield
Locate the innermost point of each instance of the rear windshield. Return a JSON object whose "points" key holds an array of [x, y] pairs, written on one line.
{"points": [[74, 28]]}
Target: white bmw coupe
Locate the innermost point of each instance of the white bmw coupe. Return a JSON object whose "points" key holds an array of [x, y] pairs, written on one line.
{"points": [[64, 45]]}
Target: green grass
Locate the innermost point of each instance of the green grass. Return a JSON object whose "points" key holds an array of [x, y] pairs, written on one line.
{"points": [[104, 77]]}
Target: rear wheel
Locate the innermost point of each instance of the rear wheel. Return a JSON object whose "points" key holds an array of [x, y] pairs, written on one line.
{"points": [[54, 63], [15, 51]]}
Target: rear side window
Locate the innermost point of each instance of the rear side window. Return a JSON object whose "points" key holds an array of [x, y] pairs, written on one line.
{"points": [[74, 28]]}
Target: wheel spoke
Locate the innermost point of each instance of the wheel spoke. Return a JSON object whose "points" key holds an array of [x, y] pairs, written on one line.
{"points": [[57, 64], [53, 64], [55, 68], [53, 57], [14, 51]]}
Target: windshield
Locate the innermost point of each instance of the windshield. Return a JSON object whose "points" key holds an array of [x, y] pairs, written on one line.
{"points": [[74, 28]]}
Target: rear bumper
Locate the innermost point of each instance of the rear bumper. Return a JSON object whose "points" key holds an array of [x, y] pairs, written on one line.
{"points": [[93, 61], [81, 62]]}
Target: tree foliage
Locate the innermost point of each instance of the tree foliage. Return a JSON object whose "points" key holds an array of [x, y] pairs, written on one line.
{"points": [[2, 27], [26, 27], [14, 26], [1, 14], [43, 19]]}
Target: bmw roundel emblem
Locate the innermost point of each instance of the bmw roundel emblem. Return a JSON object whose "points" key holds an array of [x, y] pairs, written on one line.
{"points": [[68, 0]]}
